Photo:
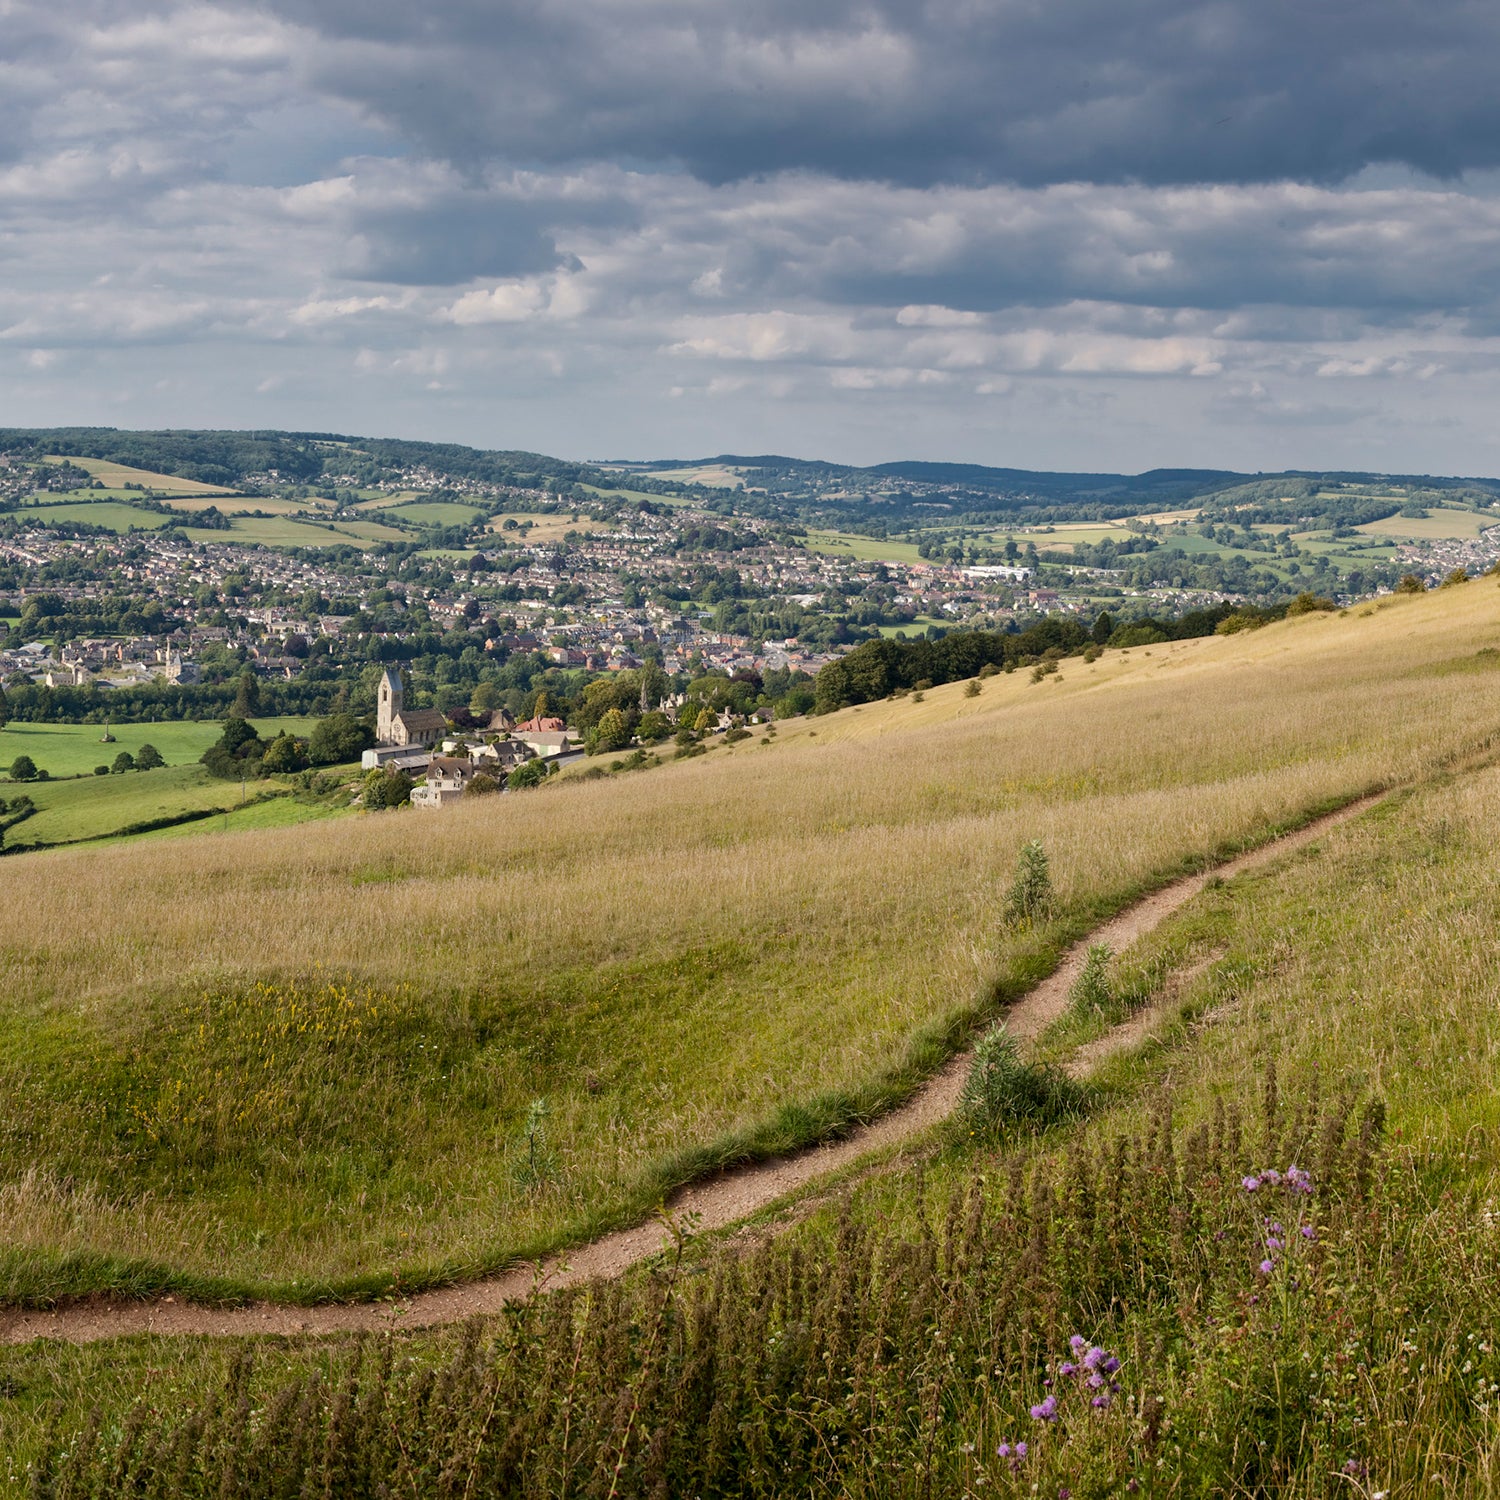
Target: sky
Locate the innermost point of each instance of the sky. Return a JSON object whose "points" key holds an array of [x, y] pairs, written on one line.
{"points": [[1069, 234]]}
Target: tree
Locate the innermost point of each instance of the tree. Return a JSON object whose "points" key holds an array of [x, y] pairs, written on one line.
{"points": [[613, 733], [237, 734], [246, 696], [283, 755], [23, 768], [4, 710], [124, 761], [148, 758], [386, 789], [1104, 627], [482, 785], [101, 770], [707, 721], [339, 738]]}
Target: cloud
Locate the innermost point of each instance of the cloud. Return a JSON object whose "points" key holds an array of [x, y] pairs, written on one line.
{"points": [[1160, 91]]}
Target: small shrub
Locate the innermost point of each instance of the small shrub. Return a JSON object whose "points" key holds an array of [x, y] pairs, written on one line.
{"points": [[973, 690], [1030, 895], [1457, 576], [1091, 993], [919, 697], [1001, 1089], [534, 1164], [1411, 584], [482, 785], [1307, 604], [989, 669], [101, 770], [1092, 653], [735, 735]]}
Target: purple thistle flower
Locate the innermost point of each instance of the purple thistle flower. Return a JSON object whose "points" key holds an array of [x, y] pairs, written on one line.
{"points": [[1003, 1451], [1094, 1358], [1101, 1401], [1132, 1486], [1266, 1267], [1095, 1381], [1045, 1411], [1110, 1365], [1064, 1493], [1273, 1177], [1078, 1343], [1021, 1450], [1067, 1367], [1249, 1183], [1275, 1228], [1273, 1243]]}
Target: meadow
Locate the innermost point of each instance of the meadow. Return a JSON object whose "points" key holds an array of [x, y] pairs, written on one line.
{"points": [[862, 548], [1439, 524], [435, 513], [1259, 1258], [75, 749], [113, 476], [314, 1077]]}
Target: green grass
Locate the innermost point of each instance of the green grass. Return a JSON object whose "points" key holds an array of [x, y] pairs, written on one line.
{"points": [[280, 531], [862, 548], [97, 805], [75, 749], [1440, 524], [436, 513], [114, 515]]}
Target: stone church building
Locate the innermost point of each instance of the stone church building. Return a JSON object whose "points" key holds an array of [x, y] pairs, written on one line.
{"points": [[395, 725]]}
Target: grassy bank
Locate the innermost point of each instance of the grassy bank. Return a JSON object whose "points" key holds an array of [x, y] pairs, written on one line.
{"points": [[905, 1339], [312, 1074]]}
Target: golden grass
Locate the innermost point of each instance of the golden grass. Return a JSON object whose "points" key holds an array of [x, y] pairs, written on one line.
{"points": [[674, 955]]}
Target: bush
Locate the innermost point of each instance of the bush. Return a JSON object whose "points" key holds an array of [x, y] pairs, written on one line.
{"points": [[1411, 584], [483, 785], [23, 768], [1238, 621], [148, 758], [1307, 604], [124, 761], [1001, 1089], [1457, 576], [1030, 897], [1091, 993], [973, 690], [532, 774], [283, 756], [101, 770]]}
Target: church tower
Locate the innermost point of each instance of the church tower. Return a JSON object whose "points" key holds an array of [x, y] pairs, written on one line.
{"points": [[388, 707]]}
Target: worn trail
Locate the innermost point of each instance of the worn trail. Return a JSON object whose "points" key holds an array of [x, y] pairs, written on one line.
{"points": [[716, 1202]]}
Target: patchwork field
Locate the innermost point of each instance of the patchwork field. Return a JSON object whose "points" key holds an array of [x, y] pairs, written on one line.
{"points": [[436, 513], [864, 548], [1438, 525], [734, 952]]}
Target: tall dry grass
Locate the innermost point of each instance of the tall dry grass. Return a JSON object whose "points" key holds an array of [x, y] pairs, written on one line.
{"points": [[667, 957]]}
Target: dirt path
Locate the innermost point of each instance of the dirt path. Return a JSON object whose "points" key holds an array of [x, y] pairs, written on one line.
{"points": [[717, 1201]]}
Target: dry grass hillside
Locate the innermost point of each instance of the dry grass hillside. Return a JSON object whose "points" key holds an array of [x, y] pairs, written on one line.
{"points": [[302, 1058]]}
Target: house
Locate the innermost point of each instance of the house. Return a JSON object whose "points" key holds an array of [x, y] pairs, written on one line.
{"points": [[547, 725], [447, 778], [546, 742], [501, 721], [396, 725]]}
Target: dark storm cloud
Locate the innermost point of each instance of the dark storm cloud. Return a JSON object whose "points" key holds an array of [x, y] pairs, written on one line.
{"points": [[1159, 91]]}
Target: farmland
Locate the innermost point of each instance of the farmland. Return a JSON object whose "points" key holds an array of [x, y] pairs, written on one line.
{"points": [[75, 749], [116, 476]]}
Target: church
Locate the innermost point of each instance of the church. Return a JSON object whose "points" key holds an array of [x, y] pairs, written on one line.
{"points": [[394, 725]]}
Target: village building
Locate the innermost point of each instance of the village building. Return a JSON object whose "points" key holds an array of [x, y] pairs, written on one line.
{"points": [[407, 727], [447, 778]]}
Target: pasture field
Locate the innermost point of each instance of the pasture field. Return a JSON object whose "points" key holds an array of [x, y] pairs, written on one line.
{"points": [[436, 512], [240, 505], [113, 476], [89, 807], [282, 531], [863, 548], [372, 531], [716, 475], [637, 495], [1440, 524], [546, 528], [115, 515], [1351, 1343], [726, 954], [75, 749]]}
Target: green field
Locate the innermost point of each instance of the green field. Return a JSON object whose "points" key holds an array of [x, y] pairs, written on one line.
{"points": [[1439, 525], [862, 548], [114, 475], [436, 513], [281, 531], [115, 515], [75, 749]]}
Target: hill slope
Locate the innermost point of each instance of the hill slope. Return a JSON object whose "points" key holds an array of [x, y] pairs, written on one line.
{"points": [[302, 1059]]}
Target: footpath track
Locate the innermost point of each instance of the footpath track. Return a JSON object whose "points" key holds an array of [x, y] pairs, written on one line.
{"points": [[713, 1203]]}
